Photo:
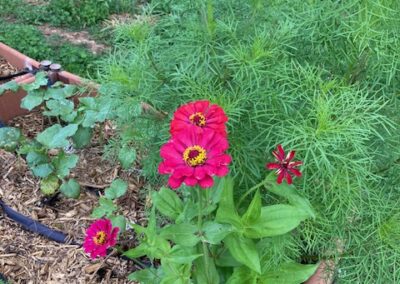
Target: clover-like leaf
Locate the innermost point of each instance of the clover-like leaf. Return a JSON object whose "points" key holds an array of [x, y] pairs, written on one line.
{"points": [[71, 189]]}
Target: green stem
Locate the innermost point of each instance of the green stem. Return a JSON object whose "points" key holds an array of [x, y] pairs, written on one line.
{"points": [[200, 225], [251, 190]]}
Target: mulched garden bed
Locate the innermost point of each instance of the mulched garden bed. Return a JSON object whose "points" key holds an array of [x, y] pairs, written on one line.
{"points": [[6, 69], [29, 258]]}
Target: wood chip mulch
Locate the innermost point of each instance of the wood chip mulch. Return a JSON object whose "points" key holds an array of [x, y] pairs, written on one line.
{"points": [[28, 258], [6, 69]]}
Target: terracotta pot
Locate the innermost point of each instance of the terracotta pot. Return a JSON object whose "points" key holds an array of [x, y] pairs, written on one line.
{"points": [[324, 273]]}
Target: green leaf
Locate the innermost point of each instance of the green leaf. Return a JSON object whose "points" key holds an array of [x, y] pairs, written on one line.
{"points": [[242, 275], [289, 273], [105, 208], [254, 210], [292, 195], [244, 251], [40, 80], [146, 276], [274, 220], [182, 255], [225, 259], [117, 189], [48, 186], [204, 274], [140, 250], [11, 85], [168, 203], [175, 273], [56, 136], [63, 163], [9, 138], [127, 156], [181, 234], [119, 221], [61, 108], [32, 100], [214, 232], [226, 212], [36, 157], [82, 137], [60, 92], [42, 170], [71, 189]]}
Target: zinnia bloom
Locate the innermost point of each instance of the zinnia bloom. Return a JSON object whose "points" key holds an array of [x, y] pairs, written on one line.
{"points": [[284, 165], [197, 116], [194, 158], [99, 237]]}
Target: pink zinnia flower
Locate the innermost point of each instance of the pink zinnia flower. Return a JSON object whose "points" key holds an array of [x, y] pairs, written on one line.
{"points": [[197, 116], [99, 237], [284, 166], [194, 158]]}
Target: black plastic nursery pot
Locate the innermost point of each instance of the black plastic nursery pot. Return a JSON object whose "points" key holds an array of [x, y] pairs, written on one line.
{"points": [[10, 108]]}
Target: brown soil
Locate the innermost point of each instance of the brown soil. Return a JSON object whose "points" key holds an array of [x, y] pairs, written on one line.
{"points": [[28, 258], [79, 38]]}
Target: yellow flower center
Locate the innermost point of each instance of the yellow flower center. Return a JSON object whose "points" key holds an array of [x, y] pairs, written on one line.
{"points": [[198, 119], [100, 238], [195, 155]]}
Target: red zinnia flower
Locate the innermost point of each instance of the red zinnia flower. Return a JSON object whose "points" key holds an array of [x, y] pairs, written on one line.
{"points": [[197, 116], [99, 237], [284, 165], [193, 158]]}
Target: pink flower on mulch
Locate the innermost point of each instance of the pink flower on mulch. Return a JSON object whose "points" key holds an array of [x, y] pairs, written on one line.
{"points": [[197, 116], [284, 165], [99, 237], [194, 158]]}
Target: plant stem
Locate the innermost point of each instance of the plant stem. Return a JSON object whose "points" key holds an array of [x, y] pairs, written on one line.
{"points": [[199, 225], [264, 182]]}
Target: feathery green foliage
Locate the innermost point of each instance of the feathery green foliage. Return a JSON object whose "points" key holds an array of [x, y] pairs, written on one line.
{"points": [[321, 77]]}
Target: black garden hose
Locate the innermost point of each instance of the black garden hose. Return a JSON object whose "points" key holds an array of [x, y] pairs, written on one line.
{"points": [[12, 76]]}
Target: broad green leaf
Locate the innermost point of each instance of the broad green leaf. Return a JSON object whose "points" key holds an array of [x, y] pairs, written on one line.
{"points": [[126, 157], [35, 157], [40, 81], [119, 221], [32, 99], [42, 170], [254, 211], [9, 138], [105, 208], [168, 203], [289, 273], [49, 185], [182, 255], [226, 212], [274, 220], [204, 274], [244, 251], [181, 234], [292, 195], [82, 137], [117, 189], [214, 232], [140, 250], [11, 85], [59, 107], [146, 276], [190, 210], [63, 163], [175, 273], [71, 189], [60, 92], [225, 258], [243, 275], [56, 136]]}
